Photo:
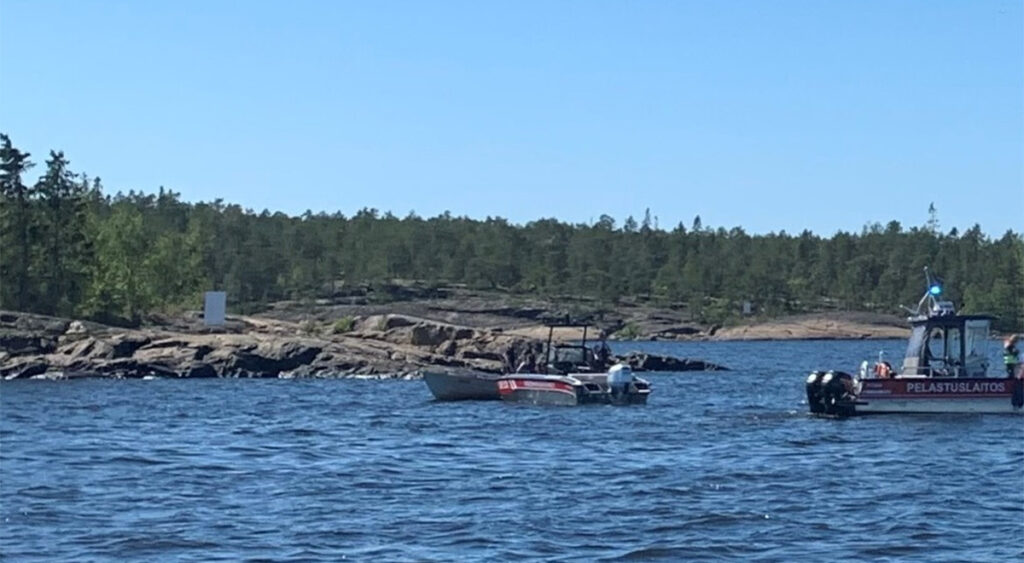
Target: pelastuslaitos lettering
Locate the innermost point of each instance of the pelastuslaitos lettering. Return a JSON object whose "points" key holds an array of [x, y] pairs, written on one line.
{"points": [[956, 387]]}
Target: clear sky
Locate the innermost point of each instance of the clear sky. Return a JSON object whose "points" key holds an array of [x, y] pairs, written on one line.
{"points": [[770, 115]]}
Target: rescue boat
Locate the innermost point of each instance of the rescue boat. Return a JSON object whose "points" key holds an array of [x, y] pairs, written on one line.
{"points": [[945, 370]]}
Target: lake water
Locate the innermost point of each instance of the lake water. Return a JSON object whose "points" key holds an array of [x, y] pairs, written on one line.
{"points": [[718, 466]]}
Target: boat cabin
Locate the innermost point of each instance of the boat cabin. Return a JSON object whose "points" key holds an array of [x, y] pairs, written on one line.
{"points": [[944, 344]]}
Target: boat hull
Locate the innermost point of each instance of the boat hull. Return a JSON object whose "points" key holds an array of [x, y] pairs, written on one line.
{"points": [[940, 395], [568, 391], [463, 386], [538, 391]]}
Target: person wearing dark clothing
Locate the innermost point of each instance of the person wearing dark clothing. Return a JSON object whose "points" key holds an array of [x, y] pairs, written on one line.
{"points": [[529, 364], [604, 354], [510, 358]]}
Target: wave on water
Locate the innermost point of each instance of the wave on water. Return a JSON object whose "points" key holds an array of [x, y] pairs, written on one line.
{"points": [[718, 466]]}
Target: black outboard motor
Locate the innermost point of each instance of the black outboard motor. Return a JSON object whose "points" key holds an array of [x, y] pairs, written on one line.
{"points": [[836, 387], [815, 397]]}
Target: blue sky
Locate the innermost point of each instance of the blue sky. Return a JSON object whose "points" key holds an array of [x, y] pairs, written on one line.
{"points": [[766, 115]]}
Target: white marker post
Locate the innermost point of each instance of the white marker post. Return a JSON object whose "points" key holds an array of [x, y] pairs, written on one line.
{"points": [[214, 308]]}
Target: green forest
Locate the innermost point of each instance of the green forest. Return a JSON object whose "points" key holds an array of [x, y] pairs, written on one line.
{"points": [[69, 249]]}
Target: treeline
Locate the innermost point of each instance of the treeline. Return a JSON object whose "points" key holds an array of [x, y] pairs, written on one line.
{"points": [[68, 249]]}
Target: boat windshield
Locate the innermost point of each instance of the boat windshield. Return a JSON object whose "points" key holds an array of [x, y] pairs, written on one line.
{"points": [[935, 350], [573, 355], [953, 342], [927, 352], [916, 343], [976, 347]]}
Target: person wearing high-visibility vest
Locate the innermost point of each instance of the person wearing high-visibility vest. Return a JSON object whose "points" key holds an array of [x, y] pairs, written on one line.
{"points": [[1011, 355]]}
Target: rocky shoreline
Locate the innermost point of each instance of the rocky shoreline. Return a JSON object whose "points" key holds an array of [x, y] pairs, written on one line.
{"points": [[394, 336], [388, 346]]}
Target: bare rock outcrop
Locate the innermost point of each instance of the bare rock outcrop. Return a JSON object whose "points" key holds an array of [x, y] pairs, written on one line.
{"points": [[23, 367], [378, 346], [819, 327]]}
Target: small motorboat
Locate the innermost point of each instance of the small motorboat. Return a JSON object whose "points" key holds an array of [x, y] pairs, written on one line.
{"points": [[945, 370], [463, 386], [616, 387], [560, 358]]}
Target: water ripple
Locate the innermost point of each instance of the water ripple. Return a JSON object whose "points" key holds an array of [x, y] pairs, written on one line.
{"points": [[722, 466]]}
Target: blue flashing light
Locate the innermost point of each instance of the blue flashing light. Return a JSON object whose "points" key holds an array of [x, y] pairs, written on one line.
{"points": [[935, 290]]}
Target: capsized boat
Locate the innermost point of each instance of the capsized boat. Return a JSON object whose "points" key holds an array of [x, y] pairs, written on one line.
{"points": [[945, 370], [619, 386]]}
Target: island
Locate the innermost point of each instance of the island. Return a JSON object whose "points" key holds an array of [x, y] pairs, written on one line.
{"points": [[357, 336]]}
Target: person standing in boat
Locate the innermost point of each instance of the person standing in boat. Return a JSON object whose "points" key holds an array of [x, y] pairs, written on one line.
{"points": [[1011, 356], [510, 358], [529, 363], [604, 354]]}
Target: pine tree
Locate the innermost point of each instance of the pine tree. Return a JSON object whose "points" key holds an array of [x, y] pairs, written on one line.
{"points": [[933, 219], [64, 253], [15, 219]]}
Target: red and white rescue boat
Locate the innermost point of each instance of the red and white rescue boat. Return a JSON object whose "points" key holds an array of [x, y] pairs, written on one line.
{"points": [[945, 370]]}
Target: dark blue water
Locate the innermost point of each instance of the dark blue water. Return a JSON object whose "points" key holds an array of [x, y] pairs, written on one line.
{"points": [[718, 466]]}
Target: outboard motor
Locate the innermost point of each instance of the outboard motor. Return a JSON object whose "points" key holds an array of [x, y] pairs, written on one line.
{"points": [[814, 393], [836, 387], [619, 378]]}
